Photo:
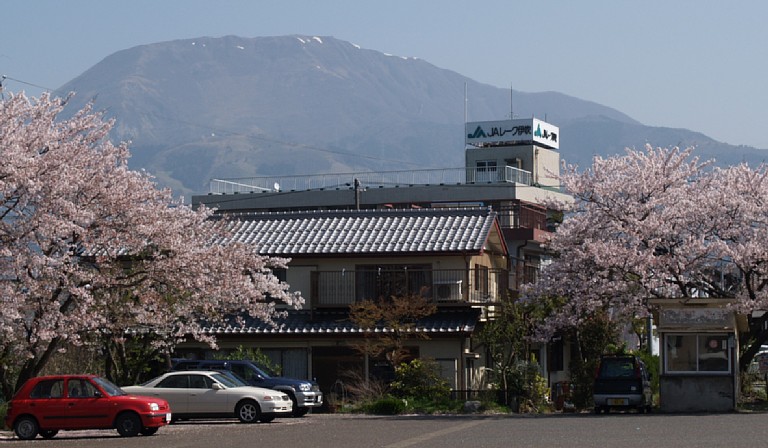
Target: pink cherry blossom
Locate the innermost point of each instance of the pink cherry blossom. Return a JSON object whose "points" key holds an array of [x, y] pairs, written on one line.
{"points": [[86, 244], [657, 223]]}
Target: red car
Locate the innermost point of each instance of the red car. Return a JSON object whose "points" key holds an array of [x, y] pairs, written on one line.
{"points": [[44, 405]]}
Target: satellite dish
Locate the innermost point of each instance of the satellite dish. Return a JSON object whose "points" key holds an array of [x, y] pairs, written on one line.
{"points": [[276, 187]]}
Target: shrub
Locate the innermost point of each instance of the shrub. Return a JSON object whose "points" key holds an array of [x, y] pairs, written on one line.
{"points": [[420, 379], [387, 406], [361, 390], [529, 385]]}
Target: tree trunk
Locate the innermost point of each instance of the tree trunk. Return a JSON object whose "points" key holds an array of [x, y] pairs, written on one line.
{"points": [[32, 367]]}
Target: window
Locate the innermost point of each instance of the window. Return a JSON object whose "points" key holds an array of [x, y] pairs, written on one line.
{"points": [[175, 382], [486, 165], [697, 353], [481, 279], [383, 281], [48, 389], [486, 171], [200, 382], [291, 362], [80, 388]]}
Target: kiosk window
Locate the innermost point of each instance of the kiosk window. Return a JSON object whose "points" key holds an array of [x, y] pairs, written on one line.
{"points": [[697, 353]]}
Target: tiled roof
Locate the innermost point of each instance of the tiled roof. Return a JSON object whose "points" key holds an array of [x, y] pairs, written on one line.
{"points": [[305, 322], [433, 230]]}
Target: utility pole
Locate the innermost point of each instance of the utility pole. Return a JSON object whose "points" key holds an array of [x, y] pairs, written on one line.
{"points": [[357, 194]]}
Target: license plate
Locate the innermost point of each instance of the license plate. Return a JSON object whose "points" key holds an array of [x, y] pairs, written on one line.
{"points": [[168, 417], [618, 402]]}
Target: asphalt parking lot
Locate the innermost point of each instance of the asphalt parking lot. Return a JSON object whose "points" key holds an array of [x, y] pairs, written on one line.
{"points": [[334, 431]]}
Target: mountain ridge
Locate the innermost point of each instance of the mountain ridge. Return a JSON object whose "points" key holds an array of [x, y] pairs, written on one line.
{"points": [[196, 109]]}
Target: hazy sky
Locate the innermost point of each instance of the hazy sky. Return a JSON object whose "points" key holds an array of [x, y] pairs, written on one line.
{"points": [[694, 64]]}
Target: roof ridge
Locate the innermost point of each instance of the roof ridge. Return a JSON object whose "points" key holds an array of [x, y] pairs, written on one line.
{"points": [[429, 211]]}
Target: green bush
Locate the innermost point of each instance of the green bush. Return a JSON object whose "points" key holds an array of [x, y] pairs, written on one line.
{"points": [[434, 406], [420, 379], [387, 406], [653, 366], [526, 382]]}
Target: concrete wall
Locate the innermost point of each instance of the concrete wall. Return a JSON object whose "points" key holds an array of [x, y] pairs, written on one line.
{"points": [[696, 393], [542, 163]]}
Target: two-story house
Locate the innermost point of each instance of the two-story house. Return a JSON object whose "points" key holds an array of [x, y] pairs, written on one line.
{"points": [[454, 257]]}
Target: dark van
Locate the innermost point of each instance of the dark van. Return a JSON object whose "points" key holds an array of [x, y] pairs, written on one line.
{"points": [[622, 382]]}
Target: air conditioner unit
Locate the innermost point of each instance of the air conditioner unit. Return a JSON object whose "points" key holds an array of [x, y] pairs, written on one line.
{"points": [[448, 291]]}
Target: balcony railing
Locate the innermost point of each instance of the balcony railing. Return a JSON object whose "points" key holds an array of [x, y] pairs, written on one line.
{"points": [[384, 179], [441, 286]]}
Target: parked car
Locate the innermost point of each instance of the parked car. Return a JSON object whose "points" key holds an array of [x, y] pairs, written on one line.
{"points": [[305, 394], [209, 394], [47, 404], [622, 382]]}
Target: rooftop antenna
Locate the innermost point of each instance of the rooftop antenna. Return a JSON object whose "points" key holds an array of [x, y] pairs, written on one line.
{"points": [[511, 104], [465, 102]]}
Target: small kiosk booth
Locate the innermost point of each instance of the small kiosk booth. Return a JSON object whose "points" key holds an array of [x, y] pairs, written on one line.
{"points": [[698, 351]]}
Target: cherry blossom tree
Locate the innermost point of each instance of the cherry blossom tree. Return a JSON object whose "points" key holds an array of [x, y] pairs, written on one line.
{"points": [[88, 246], [658, 223]]}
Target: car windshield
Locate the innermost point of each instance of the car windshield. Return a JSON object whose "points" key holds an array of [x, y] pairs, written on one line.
{"points": [[234, 377], [109, 387], [263, 371], [226, 380]]}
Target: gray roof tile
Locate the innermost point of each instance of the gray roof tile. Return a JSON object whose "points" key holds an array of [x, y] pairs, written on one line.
{"points": [[431, 230], [448, 321]]}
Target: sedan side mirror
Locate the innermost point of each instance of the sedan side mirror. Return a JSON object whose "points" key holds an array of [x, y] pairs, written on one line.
{"points": [[217, 386]]}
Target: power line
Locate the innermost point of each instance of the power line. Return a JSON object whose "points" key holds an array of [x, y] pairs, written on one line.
{"points": [[4, 77]]}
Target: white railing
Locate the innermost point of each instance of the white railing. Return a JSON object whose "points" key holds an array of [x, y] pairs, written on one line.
{"points": [[385, 179]]}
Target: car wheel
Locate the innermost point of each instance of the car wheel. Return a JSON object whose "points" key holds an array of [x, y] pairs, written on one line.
{"points": [[26, 428], [266, 418], [149, 431], [296, 409], [248, 411], [128, 424], [299, 412], [597, 409], [48, 433]]}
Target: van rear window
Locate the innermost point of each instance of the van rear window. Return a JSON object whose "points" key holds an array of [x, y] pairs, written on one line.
{"points": [[617, 368]]}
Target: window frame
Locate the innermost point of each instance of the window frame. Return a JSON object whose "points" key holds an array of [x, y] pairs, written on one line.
{"points": [[702, 339]]}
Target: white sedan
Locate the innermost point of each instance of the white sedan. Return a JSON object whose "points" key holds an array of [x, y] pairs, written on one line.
{"points": [[204, 394]]}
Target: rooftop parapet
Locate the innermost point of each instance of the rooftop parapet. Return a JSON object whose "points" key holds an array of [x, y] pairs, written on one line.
{"points": [[383, 179]]}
